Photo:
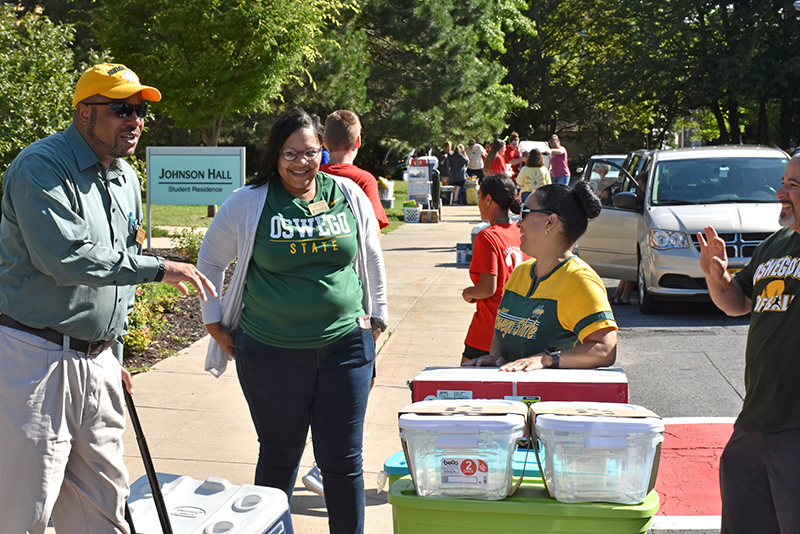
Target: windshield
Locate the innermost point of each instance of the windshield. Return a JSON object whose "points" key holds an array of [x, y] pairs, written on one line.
{"points": [[717, 180]]}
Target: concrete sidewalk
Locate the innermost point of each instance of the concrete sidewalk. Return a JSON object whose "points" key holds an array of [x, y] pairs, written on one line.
{"points": [[199, 426]]}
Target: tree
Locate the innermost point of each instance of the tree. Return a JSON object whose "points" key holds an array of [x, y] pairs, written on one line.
{"points": [[337, 77], [429, 78], [37, 80], [213, 59]]}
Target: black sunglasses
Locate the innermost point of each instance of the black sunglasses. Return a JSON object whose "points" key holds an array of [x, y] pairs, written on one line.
{"points": [[123, 110], [526, 211]]}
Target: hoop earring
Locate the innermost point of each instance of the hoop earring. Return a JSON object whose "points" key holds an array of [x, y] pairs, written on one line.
{"points": [[547, 231]]}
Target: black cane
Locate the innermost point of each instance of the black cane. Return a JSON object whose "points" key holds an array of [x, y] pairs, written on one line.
{"points": [[158, 498]]}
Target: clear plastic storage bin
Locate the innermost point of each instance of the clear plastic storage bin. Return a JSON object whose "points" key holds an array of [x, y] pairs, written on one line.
{"points": [[598, 458], [461, 455]]}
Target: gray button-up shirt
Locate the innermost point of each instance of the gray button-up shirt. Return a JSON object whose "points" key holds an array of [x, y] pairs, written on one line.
{"points": [[69, 259]]}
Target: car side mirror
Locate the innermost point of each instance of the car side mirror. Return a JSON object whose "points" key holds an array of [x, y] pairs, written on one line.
{"points": [[626, 200]]}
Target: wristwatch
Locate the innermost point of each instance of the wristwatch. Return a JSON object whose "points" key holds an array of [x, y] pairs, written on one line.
{"points": [[555, 354], [377, 322], [162, 269]]}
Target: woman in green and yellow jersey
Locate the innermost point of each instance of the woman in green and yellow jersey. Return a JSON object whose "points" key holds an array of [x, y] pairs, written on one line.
{"points": [[555, 310]]}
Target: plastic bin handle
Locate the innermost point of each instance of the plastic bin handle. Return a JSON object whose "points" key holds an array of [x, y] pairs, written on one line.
{"points": [[606, 443], [456, 441]]}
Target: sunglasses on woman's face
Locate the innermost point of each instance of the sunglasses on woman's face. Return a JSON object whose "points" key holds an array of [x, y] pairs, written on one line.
{"points": [[123, 110], [526, 211]]}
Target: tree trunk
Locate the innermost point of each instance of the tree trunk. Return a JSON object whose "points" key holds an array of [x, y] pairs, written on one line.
{"points": [[733, 120], [212, 139], [723, 129], [762, 131], [787, 117]]}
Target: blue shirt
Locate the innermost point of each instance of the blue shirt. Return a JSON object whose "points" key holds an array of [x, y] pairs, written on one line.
{"points": [[69, 259]]}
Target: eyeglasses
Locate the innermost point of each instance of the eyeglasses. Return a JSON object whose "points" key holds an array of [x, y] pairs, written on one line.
{"points": [[526, 211], [308, 154], [123, 110]]}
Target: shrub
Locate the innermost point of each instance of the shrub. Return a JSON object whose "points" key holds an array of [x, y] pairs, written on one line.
{"points": [[145, 321], [188, 242]]}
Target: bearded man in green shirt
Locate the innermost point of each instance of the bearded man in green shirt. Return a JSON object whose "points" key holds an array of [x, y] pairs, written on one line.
{"points": [[70, 258]]}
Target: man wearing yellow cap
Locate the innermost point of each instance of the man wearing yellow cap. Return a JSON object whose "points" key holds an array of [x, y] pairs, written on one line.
{"points": [[70, 259]]}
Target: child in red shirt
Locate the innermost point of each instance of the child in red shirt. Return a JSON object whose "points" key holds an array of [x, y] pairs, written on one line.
{"points": [[495, 254]]}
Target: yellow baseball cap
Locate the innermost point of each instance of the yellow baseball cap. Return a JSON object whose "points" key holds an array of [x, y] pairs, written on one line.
{"points": [[114, 81]]}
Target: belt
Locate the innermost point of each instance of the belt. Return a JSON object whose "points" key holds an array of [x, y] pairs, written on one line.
{"points": [[91, 348]]}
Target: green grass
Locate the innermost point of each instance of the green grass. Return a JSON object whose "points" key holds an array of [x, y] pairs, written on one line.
{"points": [[395, 214], [186, 216], [197, 216]]}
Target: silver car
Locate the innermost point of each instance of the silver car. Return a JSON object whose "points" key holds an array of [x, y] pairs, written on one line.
{"points": [[648, 232]]}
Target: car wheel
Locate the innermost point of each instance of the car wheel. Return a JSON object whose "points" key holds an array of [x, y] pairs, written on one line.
{"points": [[648, 304]]}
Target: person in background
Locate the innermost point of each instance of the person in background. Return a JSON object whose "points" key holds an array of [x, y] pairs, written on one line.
{"points": [[533, 175], [70, 259], [495, 254], [342, 137], [458, 172], [302, 312], [559, 165], [758, 471], [444, 162], [512, 154], [555, 311], [326, 156], [475, 154], [495, 163]]}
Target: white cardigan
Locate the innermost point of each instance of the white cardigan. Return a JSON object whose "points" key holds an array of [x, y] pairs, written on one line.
{"points": [[231, 236]]}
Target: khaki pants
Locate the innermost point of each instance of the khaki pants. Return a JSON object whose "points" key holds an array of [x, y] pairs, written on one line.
{"points": [[62, 418]]}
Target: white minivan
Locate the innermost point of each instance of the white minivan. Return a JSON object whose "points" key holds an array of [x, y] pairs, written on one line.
{"points": [[648, 233]]}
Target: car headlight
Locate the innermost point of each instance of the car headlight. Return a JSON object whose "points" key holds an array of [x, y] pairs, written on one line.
{"points": [[664, 239]]}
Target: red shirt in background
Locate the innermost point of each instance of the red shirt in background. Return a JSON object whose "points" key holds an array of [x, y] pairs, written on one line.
{"points": [[496, 251], [498, 165], [365, 181], [510, 155]]}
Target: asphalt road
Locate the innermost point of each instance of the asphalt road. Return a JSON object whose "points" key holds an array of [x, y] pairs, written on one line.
{"points": [[687, 362]]}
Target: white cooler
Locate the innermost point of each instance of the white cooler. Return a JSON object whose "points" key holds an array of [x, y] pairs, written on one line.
{"points": [[598, 451], [464, 451], [212, 506]]}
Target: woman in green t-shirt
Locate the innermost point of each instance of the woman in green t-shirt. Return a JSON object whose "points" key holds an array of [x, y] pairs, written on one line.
{"points": [[301, 314]]}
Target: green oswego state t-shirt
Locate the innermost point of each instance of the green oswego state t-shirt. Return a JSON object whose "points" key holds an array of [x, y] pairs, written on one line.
{"points": [[302, 290]]}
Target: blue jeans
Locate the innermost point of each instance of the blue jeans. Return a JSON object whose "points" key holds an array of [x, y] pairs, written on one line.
{"points": [[289, 389], [561, 180]]}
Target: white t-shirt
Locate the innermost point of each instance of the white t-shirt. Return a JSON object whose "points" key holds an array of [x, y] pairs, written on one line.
{"points": [[475, 154]]}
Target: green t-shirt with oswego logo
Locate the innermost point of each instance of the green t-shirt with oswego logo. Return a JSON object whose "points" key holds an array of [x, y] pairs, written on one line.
{"points": [[302, 290]]}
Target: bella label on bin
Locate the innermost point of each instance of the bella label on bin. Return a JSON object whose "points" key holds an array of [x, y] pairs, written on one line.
{"points": [[464, 471]]}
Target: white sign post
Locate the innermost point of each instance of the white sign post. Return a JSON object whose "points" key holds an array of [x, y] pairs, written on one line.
{"points": [[192, 176]]}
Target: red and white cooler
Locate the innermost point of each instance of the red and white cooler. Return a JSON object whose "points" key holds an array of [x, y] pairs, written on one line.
{"points": [[462, 383]]}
